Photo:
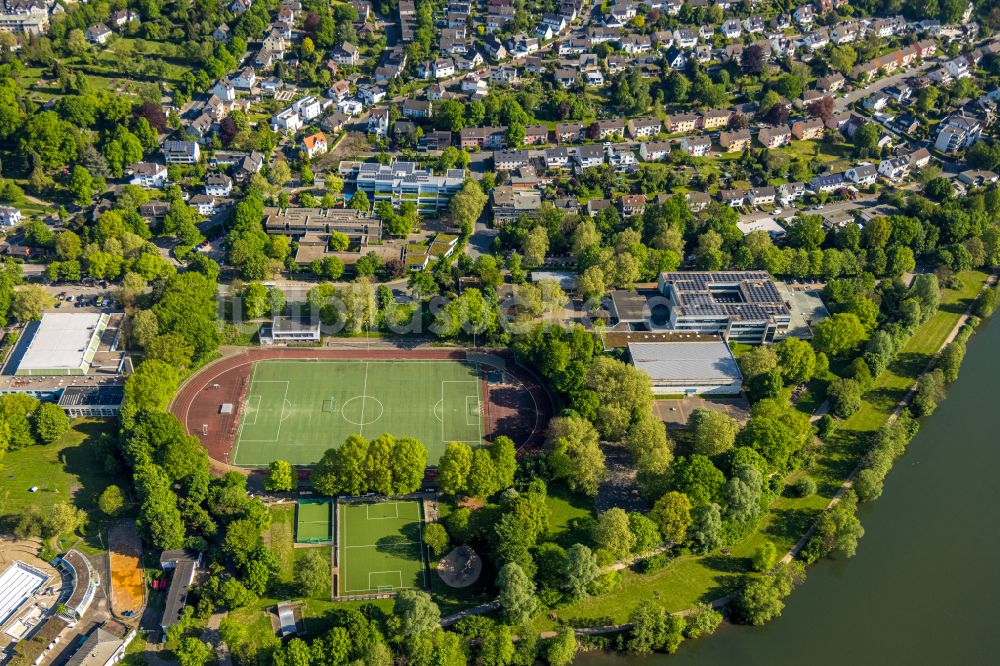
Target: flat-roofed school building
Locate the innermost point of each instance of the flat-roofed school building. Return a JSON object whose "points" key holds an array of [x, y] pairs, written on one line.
{"points": [[688, 368], [744, 306], [92, 401], [63, 343], [285, 330]]}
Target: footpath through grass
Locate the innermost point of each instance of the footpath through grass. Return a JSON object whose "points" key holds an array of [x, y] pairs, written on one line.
{"points": [[690, 579]]}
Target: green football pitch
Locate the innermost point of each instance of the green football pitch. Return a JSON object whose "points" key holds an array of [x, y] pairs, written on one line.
{"points": [[312, 522], [296, 410], [381, 547]]}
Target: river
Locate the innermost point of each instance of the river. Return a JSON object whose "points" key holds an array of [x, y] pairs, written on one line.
{"points": [[920, 589]]}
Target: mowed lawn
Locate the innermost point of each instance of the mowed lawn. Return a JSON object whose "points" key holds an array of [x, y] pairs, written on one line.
{"points": [[70, 469], [296, 410]]}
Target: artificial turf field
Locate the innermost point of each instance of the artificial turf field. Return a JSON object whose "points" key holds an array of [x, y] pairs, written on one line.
{"points": [[312, 522], [381, 547], [296, 410]]}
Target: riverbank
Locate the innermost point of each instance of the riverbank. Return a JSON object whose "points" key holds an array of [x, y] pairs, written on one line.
{"points": [[917, 592], [691, 579]]}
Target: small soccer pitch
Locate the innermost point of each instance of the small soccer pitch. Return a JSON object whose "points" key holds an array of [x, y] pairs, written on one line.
{"points": [[296, 410], [312, 521], [381, 548]]}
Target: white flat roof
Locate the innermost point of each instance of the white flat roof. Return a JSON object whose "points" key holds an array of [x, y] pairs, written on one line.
{"points": [[702, 362], [768, 224], [61, 341], [17, 584]]}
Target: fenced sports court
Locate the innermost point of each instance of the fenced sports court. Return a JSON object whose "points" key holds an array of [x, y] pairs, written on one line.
{"points": [[313, 521], [380, 547]]}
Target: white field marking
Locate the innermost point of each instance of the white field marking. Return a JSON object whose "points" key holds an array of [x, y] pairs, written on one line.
{"points": [[473, 412], [281, 418], [439, 404], [250, 404], [362, 398], [364, 393], [395, 505], [370, 588], [444, 407], [239, 426]]}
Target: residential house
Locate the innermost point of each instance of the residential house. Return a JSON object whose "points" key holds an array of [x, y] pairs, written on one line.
{"points": [[761, 196], [225, 90], [204, 204], [535, 135], [681, 122], [275, 41], [218, 185], [876, 102], [733, 198], [644, 127], [508, 160], [809, 129], [862, 175], [370, 95], [346, 54], [350, 107], [686, 38], [148, 174], [288, 121], [774, 137], [830, 84], [957, 133], [895, 169], [9, 216], [589, 156], [98, 34], [828, 183], [789, 192], [654, 151], [181, 152], [696, 146], [919, 158], [565, 77], [415, 108], [715, 118], [339, 90], [632, 205], [557, 157], [309, 108], [569, 132], [487, 138], [245, 80], [221, 33], [607, 129], [736, 141], [314, 144], [378, 122], [697, 201], [731, 29], [674, 58]]}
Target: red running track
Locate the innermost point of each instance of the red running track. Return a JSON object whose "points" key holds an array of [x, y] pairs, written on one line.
{"points": [[519, 408]]}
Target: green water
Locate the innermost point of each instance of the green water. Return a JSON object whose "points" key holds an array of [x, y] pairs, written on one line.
{"points": [[921, 588]]}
